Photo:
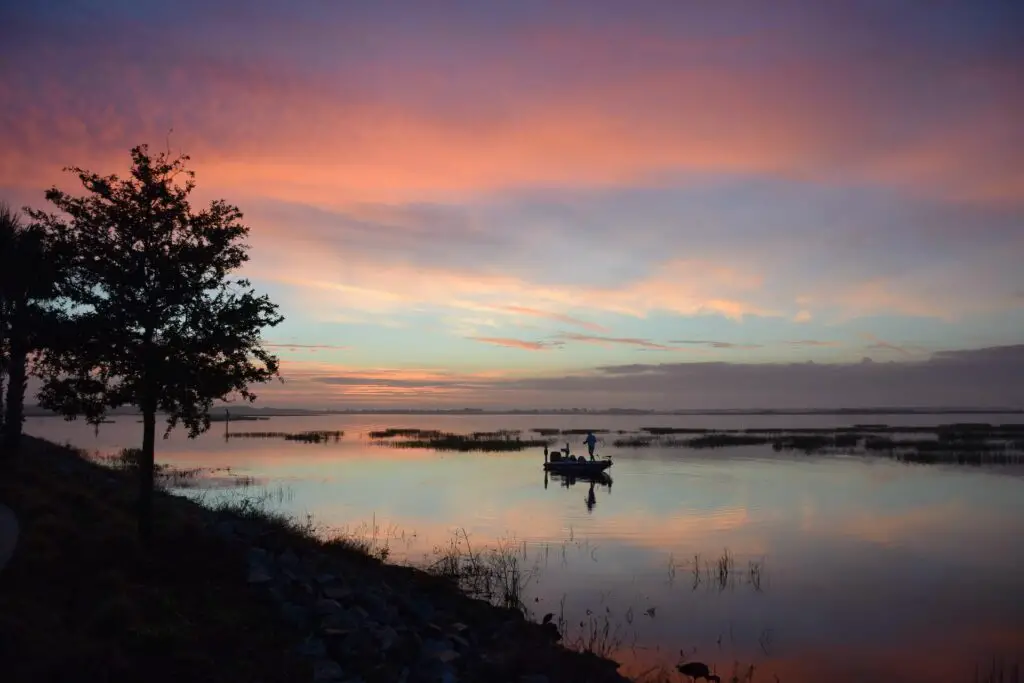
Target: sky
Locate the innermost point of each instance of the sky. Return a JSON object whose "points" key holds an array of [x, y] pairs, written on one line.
{"points": [[653, 204]]}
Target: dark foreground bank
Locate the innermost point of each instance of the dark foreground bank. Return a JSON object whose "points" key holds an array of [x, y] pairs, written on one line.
{"points": [[229, 596]]}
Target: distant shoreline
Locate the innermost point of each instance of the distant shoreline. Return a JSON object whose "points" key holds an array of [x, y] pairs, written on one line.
{"points": [[244, 414]]}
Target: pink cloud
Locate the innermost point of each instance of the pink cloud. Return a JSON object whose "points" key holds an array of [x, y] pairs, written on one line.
{"points": [[814, 342], [558, 317], [518, 343], [329, 284], [609, 341], [672, 106], [310, 347]]}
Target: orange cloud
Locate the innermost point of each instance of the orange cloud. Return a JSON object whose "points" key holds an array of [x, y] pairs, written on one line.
{"points": [[558, 317], [309, 347], [341, 286], [814, 342], [518, 343], [610, 341]]}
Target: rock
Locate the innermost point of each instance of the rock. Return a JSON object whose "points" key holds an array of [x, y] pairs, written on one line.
{"points": [[225, 529], [356, 645], [386, 637], [295, 614], [313, 647], [325, 606], [440, 650], [258, 556], [337, 592], [289, 559], [327, 671], [344, 620], [372, 602], [259, 575], [391, 615]]}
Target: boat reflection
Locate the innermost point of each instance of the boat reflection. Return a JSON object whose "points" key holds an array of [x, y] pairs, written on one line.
{"points": [[594, 479]]}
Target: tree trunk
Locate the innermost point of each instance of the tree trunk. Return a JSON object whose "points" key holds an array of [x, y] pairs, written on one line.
{"points": [[3, 374], [3, 358], [17, 380], [145, 466]]}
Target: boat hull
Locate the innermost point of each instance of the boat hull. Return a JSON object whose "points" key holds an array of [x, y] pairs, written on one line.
{"points": [[578, 468]]}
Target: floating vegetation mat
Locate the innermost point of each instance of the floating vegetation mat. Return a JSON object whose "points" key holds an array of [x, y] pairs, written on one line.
{"points": [[963, 443], [316, 436], [494, 441]]}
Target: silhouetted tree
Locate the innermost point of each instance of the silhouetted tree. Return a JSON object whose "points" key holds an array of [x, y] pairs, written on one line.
{"points": [[158, 323], [28, 276]]}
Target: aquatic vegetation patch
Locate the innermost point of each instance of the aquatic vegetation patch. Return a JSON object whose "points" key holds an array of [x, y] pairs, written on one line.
{"points": [[404, 432], [960, 443], [675, 430], [480, 441], [313, 436], [167, 477], [638, 441]]}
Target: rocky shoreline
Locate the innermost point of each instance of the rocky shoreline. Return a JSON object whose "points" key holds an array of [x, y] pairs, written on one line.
{"points": [[368, 621]]}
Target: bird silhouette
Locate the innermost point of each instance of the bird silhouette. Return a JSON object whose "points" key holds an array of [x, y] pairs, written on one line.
{"points": [[697, 670]]}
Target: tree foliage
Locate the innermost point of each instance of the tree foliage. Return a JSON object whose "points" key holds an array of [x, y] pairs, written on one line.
{"points": [[29, 269], [154, 317]]}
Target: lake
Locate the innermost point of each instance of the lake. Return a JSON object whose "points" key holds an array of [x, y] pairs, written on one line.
{"points": [[840, 568]]}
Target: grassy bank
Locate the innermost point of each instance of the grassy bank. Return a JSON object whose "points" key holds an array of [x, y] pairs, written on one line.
{"points": [[80, 600]]}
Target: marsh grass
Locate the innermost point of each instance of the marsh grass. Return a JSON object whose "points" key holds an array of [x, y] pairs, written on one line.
{"points": [[636, 441], [719, 572], [369, 539], [392, 432], [313, 436], [997, 670], [492, 442], [506, 434], [168, 477], [494, 574], [599, 634], [962, 443]]}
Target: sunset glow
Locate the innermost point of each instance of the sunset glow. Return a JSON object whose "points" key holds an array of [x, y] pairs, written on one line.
{"points": [[648, 204]]}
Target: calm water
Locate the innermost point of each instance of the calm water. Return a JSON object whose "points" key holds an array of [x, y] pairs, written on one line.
{"points": [[843, 568]]}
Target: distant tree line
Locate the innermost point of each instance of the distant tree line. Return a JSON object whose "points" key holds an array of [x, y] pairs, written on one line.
{"points": [[126, 295]]}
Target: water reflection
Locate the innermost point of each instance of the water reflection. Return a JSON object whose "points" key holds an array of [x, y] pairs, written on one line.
{"points": [[567, 480]]}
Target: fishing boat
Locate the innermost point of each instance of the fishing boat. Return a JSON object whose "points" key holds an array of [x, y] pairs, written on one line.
{"points": [[563, 462], [577, 467]]}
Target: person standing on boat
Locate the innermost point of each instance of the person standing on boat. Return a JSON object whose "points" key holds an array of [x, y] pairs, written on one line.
{"points": [[591, 441]]}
